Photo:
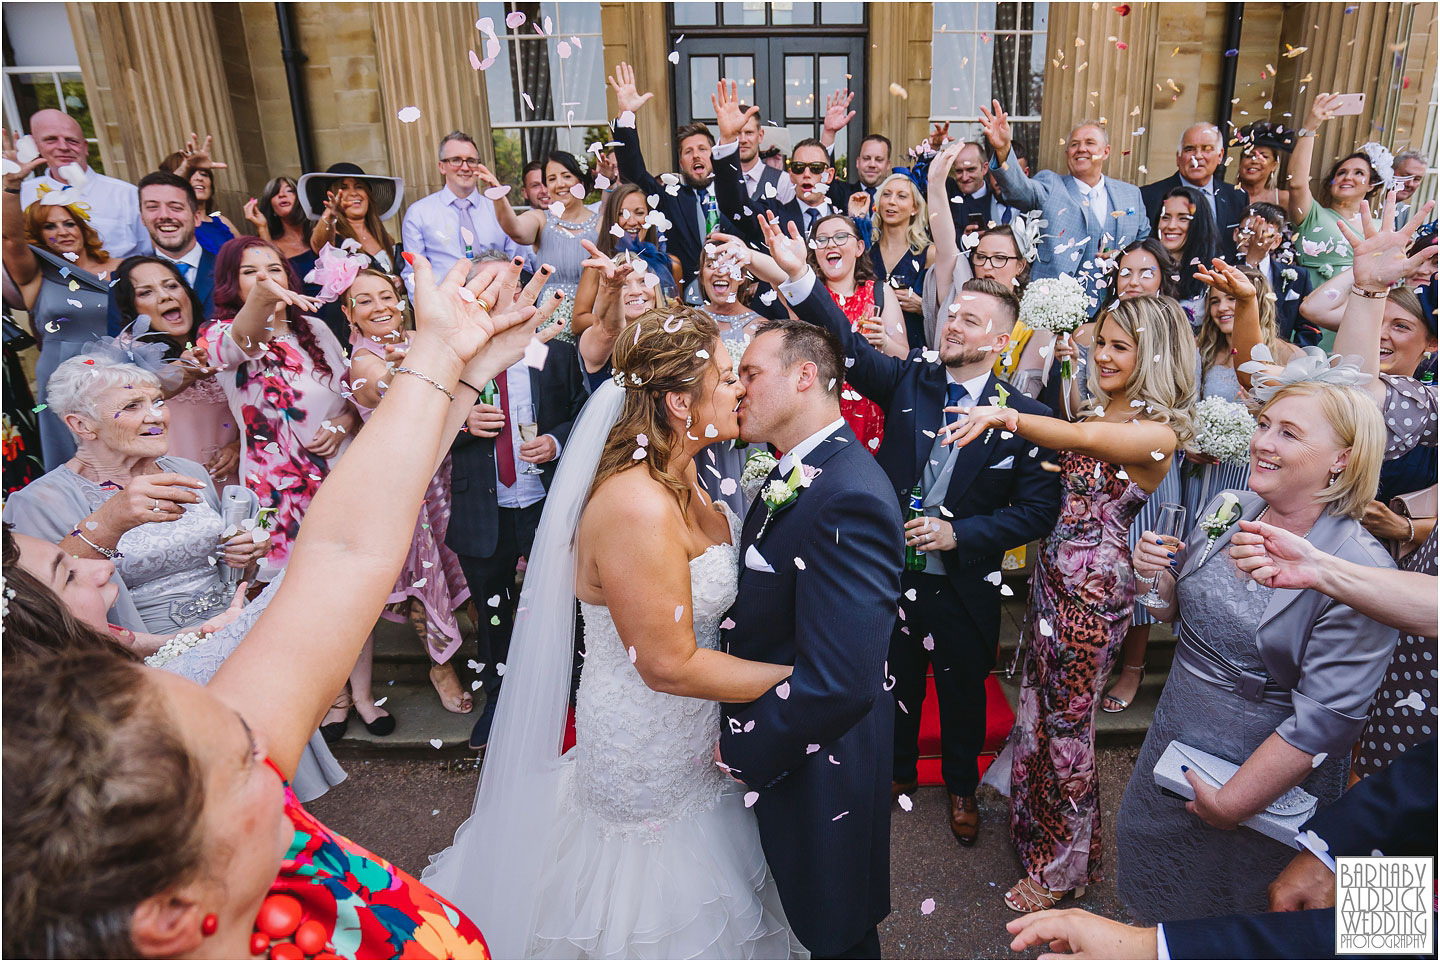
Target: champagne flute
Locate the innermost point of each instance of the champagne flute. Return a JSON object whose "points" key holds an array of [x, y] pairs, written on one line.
{"points": [[529, 429], [1167, 528]]}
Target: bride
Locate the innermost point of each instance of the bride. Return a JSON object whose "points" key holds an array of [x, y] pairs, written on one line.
{"points": [[634, 844]]}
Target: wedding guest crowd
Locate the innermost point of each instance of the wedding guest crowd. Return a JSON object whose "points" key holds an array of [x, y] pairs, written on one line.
{"points": [[1169, 392]]}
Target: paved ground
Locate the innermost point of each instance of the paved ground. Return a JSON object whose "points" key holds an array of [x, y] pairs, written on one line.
{"points": [[406, 809]]}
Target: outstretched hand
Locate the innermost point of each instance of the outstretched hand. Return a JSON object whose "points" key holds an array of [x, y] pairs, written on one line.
{"points": [[267, 292], [996, 124], [837, 110], [1227, 279], [196, 155], [730, 117], [1379, 250], [788, 249], [976, 421], [1274, 557], [14, 179], [1077, 934], [623, 83]]}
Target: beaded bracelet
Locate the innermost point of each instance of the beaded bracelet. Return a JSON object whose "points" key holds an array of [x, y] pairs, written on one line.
{"points": [[1371, 295], [427, 379]]}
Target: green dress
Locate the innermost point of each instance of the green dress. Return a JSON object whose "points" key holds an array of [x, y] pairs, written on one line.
{"points": [[1322, 250]]}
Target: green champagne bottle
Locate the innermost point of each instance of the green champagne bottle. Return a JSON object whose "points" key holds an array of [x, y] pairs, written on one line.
{"points": [[914, 557]]}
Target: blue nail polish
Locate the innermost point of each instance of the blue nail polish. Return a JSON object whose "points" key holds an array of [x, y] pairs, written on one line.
{"points": [[1170, 555], [1160, 541], [1184, 768]]}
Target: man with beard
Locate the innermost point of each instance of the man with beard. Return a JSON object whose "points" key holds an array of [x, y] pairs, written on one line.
{"points": [[170, 212], [977, 504], [760, 179], [114, 209], [687, 201]]}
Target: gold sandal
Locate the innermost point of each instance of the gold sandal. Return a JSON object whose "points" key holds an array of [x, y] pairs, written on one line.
{"points": [[1034, 897]]}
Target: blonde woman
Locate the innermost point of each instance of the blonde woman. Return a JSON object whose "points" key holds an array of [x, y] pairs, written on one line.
{"points": [[1082, 592], [1292, 674], [900, 249]]}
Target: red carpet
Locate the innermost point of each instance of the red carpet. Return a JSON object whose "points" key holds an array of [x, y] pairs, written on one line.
{"points": [[999, 717]]}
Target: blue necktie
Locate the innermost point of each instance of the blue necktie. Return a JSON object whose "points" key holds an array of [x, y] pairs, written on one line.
{"points": [[954, 394], [188, 271]]}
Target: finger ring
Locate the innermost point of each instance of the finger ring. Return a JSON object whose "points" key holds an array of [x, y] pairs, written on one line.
{"points": [[487, 308], [156, 504], [157, 510]]}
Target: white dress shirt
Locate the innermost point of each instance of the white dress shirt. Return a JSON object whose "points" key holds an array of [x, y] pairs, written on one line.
{"points": [[798, 452], [1208, 189], [432, 228], [784, 186], [528, 489], [114, 208], [190, 259]]}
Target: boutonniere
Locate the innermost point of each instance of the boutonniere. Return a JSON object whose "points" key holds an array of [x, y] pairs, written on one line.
{"points": [[780, 494], [1288, 275], [1226, 513], [1000, 400]]}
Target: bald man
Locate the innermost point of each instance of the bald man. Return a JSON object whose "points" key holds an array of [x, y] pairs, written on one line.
{"points": [[113, 205], [1197, 162]]}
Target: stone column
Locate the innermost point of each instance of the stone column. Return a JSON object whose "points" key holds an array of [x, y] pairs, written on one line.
{"points": [[635, 33], [900, 52]]}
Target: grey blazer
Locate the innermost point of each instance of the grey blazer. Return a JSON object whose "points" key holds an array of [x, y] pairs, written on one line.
{"points": [[1330, 657], [1066, 246]]}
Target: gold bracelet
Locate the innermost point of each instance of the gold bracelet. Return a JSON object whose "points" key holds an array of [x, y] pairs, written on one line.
{"points": [[1371, 295]]}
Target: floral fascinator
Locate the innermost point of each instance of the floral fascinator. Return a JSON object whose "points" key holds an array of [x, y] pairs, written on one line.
{"points": [[1312, 365], [336, 269], [130, 347]]}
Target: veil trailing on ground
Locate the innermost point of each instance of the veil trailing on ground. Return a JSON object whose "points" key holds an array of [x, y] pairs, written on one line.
{"points": [[492, 870]]}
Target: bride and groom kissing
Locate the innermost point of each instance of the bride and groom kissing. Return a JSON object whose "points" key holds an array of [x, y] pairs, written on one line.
{"points": [[728, 792]]}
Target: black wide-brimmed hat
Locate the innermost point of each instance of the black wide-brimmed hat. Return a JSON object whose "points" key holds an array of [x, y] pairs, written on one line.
{"points": [[385, 192], [1263, 133]]}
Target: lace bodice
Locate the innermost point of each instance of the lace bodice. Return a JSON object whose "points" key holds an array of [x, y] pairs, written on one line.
{"points": [[644, 758]]}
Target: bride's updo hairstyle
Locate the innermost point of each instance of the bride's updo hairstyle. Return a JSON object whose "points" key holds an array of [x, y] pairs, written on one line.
{"points": [[663, 350]]}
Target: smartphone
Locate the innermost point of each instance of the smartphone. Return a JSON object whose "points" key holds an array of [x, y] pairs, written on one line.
{"points": [[1346, 104], [976, 219]]}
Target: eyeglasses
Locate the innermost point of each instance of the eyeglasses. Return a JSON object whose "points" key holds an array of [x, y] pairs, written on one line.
{"points": [[815, 167], [455, 163], [1000, 261], [833, 240]]}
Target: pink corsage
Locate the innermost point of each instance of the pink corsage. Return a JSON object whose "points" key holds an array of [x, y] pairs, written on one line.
{"points": [[335, 270]]}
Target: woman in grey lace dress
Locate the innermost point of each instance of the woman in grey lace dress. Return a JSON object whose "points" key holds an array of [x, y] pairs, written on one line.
{"points": [[123, 499], [1277, 681]]}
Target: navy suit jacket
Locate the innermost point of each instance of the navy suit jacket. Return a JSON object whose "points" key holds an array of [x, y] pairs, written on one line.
{"points": [[1392, 811], [741, 209], [558, 392], [1230, 204], [999, 496], [682, 209], [204, 288], [820, 754], [1288, 295]]}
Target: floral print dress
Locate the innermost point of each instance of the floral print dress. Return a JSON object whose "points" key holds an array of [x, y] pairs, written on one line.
{"points": [[865, 417], [1081, 598], [282, 401]]}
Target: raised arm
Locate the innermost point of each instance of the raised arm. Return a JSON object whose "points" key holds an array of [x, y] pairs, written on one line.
{"points": [[837, 117], [1379, 264], [1021, 192], [645, 574], [254, 325], [942, 218], [627, 153], [1303, 156], [597, 341], [730, 194], [1245, 336], [20, 260], [523, 228], [1142, 448], [346, 558]]}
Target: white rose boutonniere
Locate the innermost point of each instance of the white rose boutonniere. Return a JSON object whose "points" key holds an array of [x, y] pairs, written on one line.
{"points": [[1289, 276], [1215, 524], [779, 495]]}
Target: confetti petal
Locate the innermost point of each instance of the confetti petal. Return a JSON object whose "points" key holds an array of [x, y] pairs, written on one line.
{"points": [[408, 115], [751, 798], [927, 906]]}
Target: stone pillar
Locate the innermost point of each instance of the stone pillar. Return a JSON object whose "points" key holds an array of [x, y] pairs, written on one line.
{"points": [[1090, 76], [900, 52], [158, 75], [635, 33], [423, 61]]}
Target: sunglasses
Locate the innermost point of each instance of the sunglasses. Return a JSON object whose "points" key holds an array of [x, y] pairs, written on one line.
{"points": [[815, 167]]}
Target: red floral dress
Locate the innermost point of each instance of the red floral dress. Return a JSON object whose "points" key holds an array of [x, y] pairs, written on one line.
{"points": [[865, 417], [333, 899]]}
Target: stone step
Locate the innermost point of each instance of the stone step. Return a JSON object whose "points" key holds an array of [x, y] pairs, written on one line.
{"points": [[419, 717], [1127, 727]]}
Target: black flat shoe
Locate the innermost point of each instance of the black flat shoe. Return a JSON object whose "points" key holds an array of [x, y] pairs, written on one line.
{"points": [[334, 731], [381, 726]]}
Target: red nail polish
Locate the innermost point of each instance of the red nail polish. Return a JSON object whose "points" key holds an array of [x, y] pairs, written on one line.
{"points": [[409, 257]]}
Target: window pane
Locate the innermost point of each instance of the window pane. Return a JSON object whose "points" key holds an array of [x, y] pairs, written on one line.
{"points": [[573, 18], [694, 14], [799, 132], [954, 16], [1002, 73], [1032, 74], [1036, 16], [534, 78], [746, 13], [953, 90], [741, 69], [704, 74], [38, 35], [583, 73], [800, 86], [842, 12], [786, 12]]}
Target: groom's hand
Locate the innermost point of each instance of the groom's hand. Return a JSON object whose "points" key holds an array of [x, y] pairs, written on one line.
{"points": [[930, 534]]}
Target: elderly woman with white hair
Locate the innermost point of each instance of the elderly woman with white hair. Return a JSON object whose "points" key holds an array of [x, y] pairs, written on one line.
{"points": [[1276, 681], [123, 499]]}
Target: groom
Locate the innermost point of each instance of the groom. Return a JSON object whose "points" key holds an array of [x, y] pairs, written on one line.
{"points": [[821, 575]]}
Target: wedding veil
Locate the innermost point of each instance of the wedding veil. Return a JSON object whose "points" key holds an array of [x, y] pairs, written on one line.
{"points": [[492, 870]]}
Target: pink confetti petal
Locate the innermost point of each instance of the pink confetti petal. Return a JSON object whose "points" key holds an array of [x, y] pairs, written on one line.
{"points": [[727, 624], [514, 19], [563, 49], [495, 193], [927, 906], [408, 115], [751, 798], [782, 690], [474, 60]]}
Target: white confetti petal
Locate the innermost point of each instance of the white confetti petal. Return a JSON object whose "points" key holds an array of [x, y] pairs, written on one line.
{"points": [[927, 906], [436, 743], [408, 115], [782, 690], [751, 798]]}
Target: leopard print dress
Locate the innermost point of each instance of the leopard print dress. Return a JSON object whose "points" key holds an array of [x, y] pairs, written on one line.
{"points": [[1081, 600]]}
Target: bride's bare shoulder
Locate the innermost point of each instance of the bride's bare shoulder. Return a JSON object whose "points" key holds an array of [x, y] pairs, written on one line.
{"points": [[632, 498]]}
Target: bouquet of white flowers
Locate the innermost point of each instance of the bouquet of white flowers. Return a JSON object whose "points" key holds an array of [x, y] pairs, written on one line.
{"points": [[1055, 304], [757, 468], [1223, 430]]}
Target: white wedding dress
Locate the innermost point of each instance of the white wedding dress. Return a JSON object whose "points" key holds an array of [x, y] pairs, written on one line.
{"points": [[656, 855], [633, 844]]}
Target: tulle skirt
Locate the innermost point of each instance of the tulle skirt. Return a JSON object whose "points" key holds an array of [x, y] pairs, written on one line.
{"points": [[691, 887]]}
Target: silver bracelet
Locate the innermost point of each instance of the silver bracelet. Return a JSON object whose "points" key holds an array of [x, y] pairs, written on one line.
{"points": [[1148, 582], [427, 379], [109, 553]]}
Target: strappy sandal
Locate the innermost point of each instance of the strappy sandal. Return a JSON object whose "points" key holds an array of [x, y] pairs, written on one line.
{"points": [[447, 685], [1033, 897], [1121, 703]]}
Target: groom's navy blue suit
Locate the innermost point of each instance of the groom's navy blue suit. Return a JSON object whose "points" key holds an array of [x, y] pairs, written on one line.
{"points": [[820, 756], [998, 496]]}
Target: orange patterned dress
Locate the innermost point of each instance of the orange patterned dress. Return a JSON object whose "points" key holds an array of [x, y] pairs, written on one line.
{"points": [[865, 417]]}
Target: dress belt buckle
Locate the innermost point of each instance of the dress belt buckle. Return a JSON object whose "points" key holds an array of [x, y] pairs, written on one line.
{"points": [[1250, 686]]}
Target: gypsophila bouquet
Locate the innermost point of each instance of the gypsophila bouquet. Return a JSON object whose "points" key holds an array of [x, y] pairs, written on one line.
{"points": [[757, 468], [1223, 430], [1055, 304], [174, 648]]}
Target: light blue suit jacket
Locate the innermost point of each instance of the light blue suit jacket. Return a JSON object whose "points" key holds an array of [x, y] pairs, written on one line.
{"points": [[1067, 245]]}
